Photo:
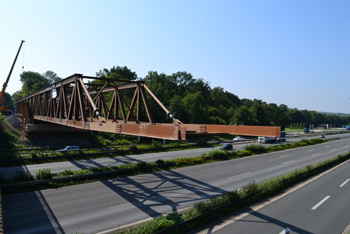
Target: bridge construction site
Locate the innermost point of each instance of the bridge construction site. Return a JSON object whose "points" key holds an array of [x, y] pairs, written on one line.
{"points": [[75, 103]]}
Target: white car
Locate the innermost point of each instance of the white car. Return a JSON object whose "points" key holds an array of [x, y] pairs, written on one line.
{"points": [[69, 148], [239, 138]]}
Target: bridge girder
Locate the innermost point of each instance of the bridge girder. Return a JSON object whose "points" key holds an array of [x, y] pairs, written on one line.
{"points": [[83, 105]]}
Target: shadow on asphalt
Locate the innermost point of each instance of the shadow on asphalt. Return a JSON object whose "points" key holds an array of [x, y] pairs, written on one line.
{"points": [[35, 216], [147, 193]]}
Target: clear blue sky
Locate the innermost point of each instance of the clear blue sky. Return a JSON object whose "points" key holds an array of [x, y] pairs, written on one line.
{"points": [[286, 52]]}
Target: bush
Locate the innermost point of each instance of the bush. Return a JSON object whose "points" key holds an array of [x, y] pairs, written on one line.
{"points": [[21, 176], [65, 173], [160, 162], [140, 164], [43, 174], [132, 147], [202, 143], [255, 148], [249, 188], [156, 144]]}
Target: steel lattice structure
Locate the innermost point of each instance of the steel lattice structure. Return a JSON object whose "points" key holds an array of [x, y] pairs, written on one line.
{"points": [[83, 105]]}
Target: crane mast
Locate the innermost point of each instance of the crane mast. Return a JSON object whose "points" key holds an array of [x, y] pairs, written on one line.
{"points": [[2, 94]]}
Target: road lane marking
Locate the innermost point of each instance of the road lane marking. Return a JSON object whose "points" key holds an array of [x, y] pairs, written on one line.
{"points": [[285, 231], [288, 162], [311, 150], [340, 143], [314, 155], [320, 203], [284, 155], [333, 150], [328, 146], [239, 175], [344, 183]]}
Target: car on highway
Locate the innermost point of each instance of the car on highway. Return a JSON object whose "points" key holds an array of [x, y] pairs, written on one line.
{"points": [[226, 147], [69, 148], [322, 136], [239, 138]]}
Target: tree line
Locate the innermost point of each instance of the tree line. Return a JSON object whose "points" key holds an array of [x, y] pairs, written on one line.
{"points": [[192, 100]]}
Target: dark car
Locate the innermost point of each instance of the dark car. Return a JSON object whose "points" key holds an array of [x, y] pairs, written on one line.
{"points": [[322, 136], [226, 147]]}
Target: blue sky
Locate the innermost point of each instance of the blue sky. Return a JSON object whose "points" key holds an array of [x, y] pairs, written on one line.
{"points": [[286, 52]]}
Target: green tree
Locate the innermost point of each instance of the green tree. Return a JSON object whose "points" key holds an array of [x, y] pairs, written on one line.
{"points": [[32, 81], [8, 101], [51, 77]]}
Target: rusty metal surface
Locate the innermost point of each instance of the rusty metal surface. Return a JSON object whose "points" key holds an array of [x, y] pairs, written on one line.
{"points": [[83, 105]]}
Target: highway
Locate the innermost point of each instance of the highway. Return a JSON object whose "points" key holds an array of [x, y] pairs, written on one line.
{"points": [[103, 205], [321, 207], [57, 167]]}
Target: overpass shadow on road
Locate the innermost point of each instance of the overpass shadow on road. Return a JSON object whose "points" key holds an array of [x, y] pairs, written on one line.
{"points": [[162, 192]]}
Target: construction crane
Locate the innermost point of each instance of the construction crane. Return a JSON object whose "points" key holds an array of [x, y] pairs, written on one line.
{"points": [[3, 109]]}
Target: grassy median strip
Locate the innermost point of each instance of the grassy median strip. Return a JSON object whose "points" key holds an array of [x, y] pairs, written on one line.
{"points": [[44, 179], [34, 157], [204, 212]]}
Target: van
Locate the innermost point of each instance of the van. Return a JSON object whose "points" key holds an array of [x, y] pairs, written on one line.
{"points": [[69, 148]]}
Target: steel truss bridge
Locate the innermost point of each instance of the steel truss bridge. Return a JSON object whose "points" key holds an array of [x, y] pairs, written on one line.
{"points": [[73, 103]]}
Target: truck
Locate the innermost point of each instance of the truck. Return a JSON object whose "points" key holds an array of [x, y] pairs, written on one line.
{"points": [[264, 139], [282, 137]]}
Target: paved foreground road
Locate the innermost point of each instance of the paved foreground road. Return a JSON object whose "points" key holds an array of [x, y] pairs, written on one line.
{"points": [[94, 207], [321, 207]]}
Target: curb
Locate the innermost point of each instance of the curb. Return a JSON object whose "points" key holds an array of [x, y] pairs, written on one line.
{"points": [[347, 230]]}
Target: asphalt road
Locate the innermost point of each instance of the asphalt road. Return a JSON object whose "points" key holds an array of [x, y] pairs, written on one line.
{"points": [[57, 167], [103, 205], [321, 206]]}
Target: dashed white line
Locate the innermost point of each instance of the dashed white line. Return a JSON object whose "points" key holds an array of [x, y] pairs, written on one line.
{"points": [[311, 150], [333, 150], [285, 231], [239, 175], [315, 155], [288, 162], [320, 203], [284, 155], [344, 183], [328, 146]]}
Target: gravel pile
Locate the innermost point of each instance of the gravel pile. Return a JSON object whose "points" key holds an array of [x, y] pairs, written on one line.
{"points": [[15, 122]]}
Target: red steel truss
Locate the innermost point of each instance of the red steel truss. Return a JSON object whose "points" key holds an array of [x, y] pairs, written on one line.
{"points": [[83, 105]]}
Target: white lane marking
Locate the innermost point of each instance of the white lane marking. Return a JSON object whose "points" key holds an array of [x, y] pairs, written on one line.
{"points": [[320, 203], [340, 143], [346, 146], [285, 231], [288, 162], [344, 183], [284, 155], [112, 207], [314, 155], [311, 150], [239, 175], [328, 146], [333, 150]]}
